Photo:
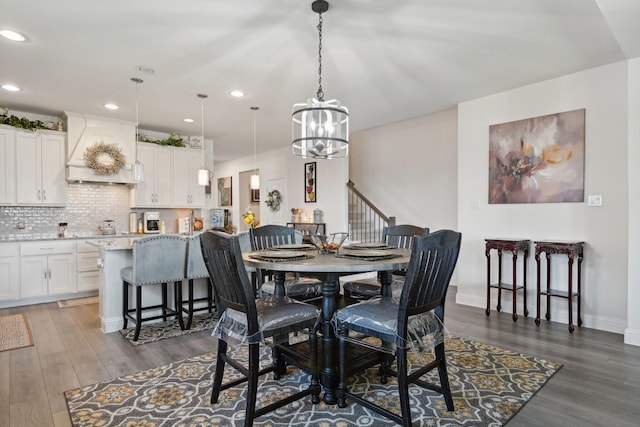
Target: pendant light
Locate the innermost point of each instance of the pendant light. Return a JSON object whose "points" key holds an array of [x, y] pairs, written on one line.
{"points": [[255, 178], [204, 175], [320, 129], [137, 170]]}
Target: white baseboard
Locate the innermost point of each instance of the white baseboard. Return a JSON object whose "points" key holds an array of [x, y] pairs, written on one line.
{"points": [[632, 336], [557, 315]]}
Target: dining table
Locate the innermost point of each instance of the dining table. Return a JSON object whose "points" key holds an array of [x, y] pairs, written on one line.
{"points": [[329, 267]]}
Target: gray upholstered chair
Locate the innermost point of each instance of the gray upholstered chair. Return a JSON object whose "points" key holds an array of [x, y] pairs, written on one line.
{"points": [[400, 323], [157, 260], [398, 236], [297, 287], [196, 269], [255, 321]]}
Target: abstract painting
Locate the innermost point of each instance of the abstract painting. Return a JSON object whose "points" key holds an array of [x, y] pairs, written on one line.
{"points": [[538, 160], [224, 191]]}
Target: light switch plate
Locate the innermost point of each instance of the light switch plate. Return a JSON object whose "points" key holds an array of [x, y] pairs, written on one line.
{"points": [[594, 200]]}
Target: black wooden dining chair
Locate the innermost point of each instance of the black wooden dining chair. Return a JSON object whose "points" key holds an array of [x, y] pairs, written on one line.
{"points": [[398, 236], [257, 320], [296, 286], [398, 324]]}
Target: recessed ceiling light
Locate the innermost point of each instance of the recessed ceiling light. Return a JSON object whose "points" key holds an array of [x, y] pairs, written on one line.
{"points": [[236, 93], [110, 106], [12, 35], [188, 120], [144, 69], [11, 88]]}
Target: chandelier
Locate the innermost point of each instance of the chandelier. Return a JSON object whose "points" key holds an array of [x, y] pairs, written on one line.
{"points": [[320, 129]]}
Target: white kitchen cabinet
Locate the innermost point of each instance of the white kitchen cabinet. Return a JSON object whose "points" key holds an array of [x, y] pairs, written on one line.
{"points": [[8, 164], [87, 274], [9, 271], [186, 191], [40, 177], [156, 189], [47, 268]]}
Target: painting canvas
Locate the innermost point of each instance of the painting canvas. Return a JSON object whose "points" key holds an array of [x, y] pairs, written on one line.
{"points": [[310, 193], [538, 160], [224, 191]]}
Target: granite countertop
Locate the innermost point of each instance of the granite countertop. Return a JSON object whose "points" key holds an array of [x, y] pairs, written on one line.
{"points": [[28, 237], [113, 244]]}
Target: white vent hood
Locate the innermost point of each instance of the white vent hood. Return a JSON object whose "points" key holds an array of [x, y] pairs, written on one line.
{"points": [[83, 131]]}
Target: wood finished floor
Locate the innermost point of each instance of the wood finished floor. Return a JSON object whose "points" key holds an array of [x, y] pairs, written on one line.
{"points": [[599, 384]]}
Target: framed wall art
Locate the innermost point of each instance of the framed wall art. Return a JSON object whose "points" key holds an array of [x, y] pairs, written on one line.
{"points": [[538, 160], [310, 190], [255, 196], [224, 191]]}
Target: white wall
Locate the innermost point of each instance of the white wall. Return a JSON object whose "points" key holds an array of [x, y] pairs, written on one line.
{"points": [[282, 167], [632, 333], [603, 93], [408, 169]]}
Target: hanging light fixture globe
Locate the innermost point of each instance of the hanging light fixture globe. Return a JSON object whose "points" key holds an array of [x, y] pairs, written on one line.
{"points": [[320, 129], [254, 183], [137, 170], [204, 175]]}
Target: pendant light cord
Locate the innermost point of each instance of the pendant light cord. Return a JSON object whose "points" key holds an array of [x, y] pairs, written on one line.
{"points": [[137, 81], [320, 93]]}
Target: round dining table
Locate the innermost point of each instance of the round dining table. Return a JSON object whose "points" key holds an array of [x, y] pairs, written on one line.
{"points": [[330, 266]]}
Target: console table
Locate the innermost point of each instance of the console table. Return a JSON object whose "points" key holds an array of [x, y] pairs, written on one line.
{"points": [[573, 250], [513, 246]]}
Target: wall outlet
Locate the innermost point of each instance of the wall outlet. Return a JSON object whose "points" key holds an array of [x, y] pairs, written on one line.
{"points": [[594, 200]]}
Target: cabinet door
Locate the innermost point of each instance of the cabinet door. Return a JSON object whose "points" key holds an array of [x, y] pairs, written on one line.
{"points": [[9, 265], [62, 269], [33, 276], [186, 191], [164, 177], [8, 164], [28, 176], [145, 191], [54, 184]]}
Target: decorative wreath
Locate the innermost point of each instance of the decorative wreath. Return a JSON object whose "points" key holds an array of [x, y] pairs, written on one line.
{"points": [[104, 159], [274, 199]]}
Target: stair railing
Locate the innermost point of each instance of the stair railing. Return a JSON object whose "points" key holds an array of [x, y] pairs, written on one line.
{"points": [[366, 221]]}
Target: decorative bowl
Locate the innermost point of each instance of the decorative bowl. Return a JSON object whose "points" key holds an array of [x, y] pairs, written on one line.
{"points": [[329, 244]]}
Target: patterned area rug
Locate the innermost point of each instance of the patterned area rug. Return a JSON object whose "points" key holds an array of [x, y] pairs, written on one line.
{"points": [[489, 384], [15, 332], [152, 332]]}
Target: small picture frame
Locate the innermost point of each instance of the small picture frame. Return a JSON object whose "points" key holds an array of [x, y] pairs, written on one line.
{"points": [[255, 196], [310, 183]]}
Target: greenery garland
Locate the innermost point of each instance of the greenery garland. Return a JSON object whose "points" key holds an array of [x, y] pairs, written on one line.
{"points": [[22, 123], [274, 199], [94, 157]]}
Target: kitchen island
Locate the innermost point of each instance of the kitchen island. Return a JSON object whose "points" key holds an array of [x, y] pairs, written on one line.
{"points": [[116, 254]]}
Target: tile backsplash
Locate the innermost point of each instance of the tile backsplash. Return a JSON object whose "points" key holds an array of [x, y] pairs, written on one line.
{"points": [[87, 206]]}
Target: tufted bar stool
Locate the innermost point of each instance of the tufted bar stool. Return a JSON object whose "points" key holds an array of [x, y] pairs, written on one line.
{"points": [[196, 269], [157, 260]]}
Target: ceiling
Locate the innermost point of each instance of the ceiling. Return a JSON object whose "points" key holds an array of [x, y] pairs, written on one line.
{"points": [[385, 60]]}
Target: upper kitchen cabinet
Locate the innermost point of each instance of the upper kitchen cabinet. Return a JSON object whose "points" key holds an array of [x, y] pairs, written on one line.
{"points": [[156, 189], [8, 164], [40, 177], [186, 191]]}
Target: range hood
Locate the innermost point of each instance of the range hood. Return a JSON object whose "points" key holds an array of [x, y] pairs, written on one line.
{"points": [[83, 132]]}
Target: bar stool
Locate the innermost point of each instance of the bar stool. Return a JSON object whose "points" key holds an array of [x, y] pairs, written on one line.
{"points": [[513, 246], [157, 260], [195, 268]]}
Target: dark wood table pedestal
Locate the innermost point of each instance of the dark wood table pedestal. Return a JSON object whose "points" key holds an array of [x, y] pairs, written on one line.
{"points": [[573, 250], [513, 246]]}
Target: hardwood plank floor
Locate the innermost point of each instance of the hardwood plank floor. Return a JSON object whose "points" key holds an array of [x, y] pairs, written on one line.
{"points": [[598, 385]]}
